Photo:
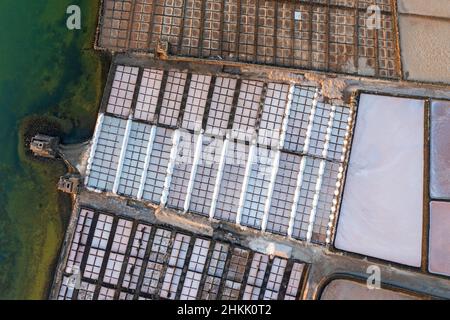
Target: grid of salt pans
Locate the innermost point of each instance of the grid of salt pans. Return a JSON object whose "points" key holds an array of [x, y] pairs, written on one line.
{"points": [[140, 28], [221, 102], [307, 191], [168, 22], [205, 177], [122, 90], [275, 279], [158, 163], [211, 37], [175, 266], [195, 269], [235, 163], [325, 35], [116, 21], [295, 279], [86, 291], [196, 102], [134, 159], [148, 95], [270, 188], [136, 257], [272, 116], [106, 294], [106, 154], [299, 116], [338, 132], [256, 277], [319, 129], [126, 296], [173, 94], [283, 193], [247, 106], [321, 219], [215, 271], [117, 253], [79, 241], [66, 290], [182, 171], [192, 24], [140, 261], [156, 261], [98, 246], [247, 24], [257, 188], [235, 274]]}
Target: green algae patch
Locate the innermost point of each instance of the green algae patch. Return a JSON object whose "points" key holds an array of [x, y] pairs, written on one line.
{"points": [[51, 81]]}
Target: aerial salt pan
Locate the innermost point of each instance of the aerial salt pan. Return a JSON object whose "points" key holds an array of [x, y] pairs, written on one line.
{"points": [[381, 214], [331, 36], [439, 248], [268, 156], [127, 260], [346, 289]]}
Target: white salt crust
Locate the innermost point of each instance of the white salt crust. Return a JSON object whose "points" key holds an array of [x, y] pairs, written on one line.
{"points": [[381, 213]]}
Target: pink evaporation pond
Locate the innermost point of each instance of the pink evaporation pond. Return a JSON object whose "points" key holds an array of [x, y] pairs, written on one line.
{"points": [[440, 150], [439, 253], [382, 207], [351, 290]]}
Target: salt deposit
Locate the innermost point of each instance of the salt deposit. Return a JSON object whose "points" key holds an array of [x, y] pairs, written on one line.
{"points": [[381, 214]]}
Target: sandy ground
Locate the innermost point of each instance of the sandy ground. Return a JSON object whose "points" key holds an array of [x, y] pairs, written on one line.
{"points": [[381, 214], [352, 290], [435, 8], [425, 48]]}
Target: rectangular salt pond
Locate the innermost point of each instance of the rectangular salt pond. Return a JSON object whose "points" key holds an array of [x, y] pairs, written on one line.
{"points": [[439, 251], [342, 289], [131, 157], [440, 150], [171, 264], [381, 213]]}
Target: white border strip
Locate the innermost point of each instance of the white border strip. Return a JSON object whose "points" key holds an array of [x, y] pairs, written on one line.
{"points": [[122, 155], [248, 168], [146, 162], [296, 197], [219, 177], [335, 202], [170, 166], [340, 176], [197, 155], [98, 128], [312, 214]]}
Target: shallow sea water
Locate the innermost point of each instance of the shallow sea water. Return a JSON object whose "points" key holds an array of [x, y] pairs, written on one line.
{"points": [[45, 70]]}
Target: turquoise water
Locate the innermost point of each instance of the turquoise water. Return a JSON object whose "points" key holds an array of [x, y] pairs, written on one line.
{"points": [[45, 70]]}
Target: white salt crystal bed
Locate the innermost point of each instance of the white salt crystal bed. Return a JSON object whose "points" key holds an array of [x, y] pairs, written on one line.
{"points": [[381, 213]]}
